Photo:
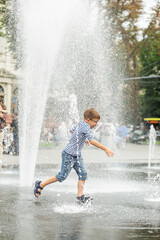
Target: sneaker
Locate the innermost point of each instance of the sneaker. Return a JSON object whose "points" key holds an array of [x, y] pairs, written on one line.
{"points": [[83, 199]]}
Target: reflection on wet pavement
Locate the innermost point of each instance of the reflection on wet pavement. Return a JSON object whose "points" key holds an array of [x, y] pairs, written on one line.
{"points": [[126, 205]]}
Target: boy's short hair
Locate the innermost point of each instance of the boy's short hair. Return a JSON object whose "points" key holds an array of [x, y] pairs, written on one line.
{"points": [[91, 113]]}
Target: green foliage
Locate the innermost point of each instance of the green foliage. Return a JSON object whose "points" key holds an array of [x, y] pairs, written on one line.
{"points": [[123, 16], [142, 58], [150, 55], [150, 65], [3, 15], [8, 26], [151, 100], [47, 145]]}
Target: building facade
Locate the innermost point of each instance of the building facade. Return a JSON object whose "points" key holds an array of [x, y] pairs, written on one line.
{"points": [[8, 78]]}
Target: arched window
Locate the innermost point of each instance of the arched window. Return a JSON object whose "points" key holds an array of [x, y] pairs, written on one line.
{"points": [[1, 90], [1, 93], [16, 92]]}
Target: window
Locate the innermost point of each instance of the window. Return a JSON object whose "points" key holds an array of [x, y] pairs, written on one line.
{"points": [[1, 90]]}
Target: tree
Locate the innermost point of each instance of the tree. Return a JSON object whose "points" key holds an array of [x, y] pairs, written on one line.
{"points": [[150, 65], [123, 16], [2, 16], [8, 24]]}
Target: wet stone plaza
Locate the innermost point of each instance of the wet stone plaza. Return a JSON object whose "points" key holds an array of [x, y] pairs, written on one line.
{"points": [[126, 204]]}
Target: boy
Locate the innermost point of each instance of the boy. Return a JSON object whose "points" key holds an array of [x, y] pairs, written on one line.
{"points": [[71, 155]]}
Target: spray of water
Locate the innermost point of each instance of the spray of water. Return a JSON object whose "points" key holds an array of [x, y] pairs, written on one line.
{"points": [[43, 30], [65, 50], [152, 141]]}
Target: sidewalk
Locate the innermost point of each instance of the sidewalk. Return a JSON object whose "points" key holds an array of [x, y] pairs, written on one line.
{"points": [[133, 153]]}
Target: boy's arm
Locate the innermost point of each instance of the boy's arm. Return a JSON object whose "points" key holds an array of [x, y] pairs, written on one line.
{"points": [[99, 145], [72, 130]]}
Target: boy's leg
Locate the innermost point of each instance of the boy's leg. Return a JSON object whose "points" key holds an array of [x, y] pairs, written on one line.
{"points": [[80, 188], [82, 174], [46, 182], [66, 167]]}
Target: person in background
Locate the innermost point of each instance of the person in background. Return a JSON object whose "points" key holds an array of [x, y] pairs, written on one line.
{"points": [[123, 135], [7, 140], [14, 125], [3, 113]]}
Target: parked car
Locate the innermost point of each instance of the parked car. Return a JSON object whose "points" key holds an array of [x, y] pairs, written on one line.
{"points": [[157, 135], [138, 136]]}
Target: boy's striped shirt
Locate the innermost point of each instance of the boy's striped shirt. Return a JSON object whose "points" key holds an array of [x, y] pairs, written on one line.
{"points": [[81, 132]]}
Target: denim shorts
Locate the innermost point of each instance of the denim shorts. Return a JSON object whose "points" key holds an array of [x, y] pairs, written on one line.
{"points": [[69, 162]]}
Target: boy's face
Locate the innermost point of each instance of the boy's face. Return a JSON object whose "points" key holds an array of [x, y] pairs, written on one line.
{"points": [[92, 122]]}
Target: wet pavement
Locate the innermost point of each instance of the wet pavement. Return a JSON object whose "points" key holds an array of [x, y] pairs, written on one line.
{"points": [[126, 205]]}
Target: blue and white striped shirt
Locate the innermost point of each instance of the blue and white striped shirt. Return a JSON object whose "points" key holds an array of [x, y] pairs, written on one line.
{"points": [[81, 132]]}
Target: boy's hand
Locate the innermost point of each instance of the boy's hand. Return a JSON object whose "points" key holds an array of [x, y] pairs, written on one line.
{"points": [[109, 152], [87, 142]]}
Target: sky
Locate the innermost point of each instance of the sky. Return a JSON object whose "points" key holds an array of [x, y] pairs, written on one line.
{"points": [[144, 19]]}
